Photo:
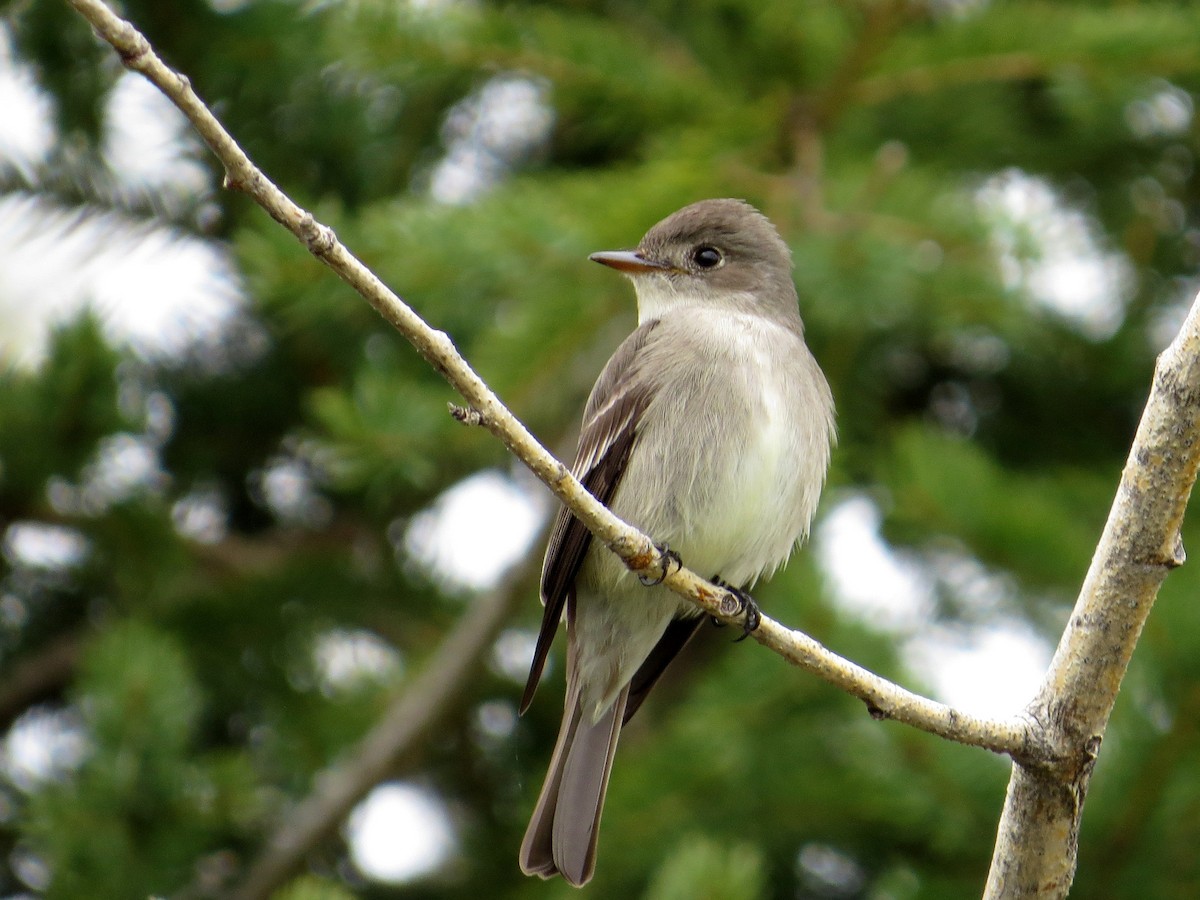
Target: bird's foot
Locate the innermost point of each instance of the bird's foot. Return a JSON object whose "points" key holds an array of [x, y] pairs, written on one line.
{"points": [[666, 556], [743, 603]]}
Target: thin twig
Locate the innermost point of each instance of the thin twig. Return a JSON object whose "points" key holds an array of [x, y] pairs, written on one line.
{"points": [[1016, 65], [409, 719], [38, 676]]}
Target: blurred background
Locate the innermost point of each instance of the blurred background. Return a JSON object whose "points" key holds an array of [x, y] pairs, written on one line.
{"points": [[237, 523]]}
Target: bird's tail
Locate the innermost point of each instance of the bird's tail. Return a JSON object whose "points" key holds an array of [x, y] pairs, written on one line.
{"points": [[561, 838]]}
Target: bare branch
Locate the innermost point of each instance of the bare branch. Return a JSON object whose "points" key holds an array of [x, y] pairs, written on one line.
{"points": [[1038, 835], [38, 676], [883, 698], [421, 707], [1016, 65]]}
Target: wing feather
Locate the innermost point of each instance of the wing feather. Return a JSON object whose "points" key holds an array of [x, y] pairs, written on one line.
{"points": [[609, 434]]}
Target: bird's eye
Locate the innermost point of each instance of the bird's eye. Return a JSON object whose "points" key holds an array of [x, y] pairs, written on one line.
{"points": [[706, 257]]}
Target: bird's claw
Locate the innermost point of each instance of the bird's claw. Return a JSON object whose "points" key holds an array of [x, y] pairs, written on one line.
{"points": [[666, 556], [745, 604]]}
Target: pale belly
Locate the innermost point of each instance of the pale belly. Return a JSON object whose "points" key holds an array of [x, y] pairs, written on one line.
{"points": [[754, 516], [736, 521]]}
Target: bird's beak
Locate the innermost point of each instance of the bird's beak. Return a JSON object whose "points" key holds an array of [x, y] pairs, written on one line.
{"points": [[631, 262]]}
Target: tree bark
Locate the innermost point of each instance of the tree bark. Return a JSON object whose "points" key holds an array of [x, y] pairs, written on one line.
{"points": [[1037, 840]]}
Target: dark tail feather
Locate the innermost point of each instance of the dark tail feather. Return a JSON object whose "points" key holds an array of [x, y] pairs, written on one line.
{"points": [[537, 849], [561, 838]]}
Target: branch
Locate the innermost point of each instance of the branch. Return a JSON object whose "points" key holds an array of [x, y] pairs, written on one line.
{"points": [[406, 723], [1016, 65], [883, 698], [1036, 847], [38, 676]]}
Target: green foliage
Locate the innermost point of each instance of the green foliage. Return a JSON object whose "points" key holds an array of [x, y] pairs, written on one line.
{"points": [[701, 869], [134, 814], [49, 425], [1043, 526], [984, 426], [312, 888]]}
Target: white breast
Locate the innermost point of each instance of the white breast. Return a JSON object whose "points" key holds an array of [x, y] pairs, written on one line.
{"points": [[760, 508]]}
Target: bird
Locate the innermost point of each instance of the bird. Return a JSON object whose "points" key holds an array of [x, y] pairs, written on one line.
{"points": [[711, 430]]}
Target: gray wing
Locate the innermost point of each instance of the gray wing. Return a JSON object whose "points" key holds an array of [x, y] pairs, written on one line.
{"points": [[610, 425]]}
